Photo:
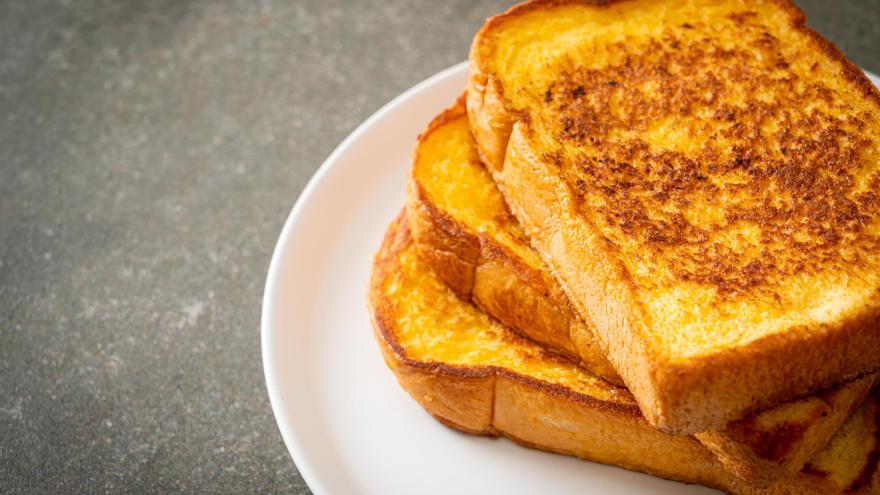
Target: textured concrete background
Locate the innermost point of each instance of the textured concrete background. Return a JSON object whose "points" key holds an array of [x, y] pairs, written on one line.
{"points": [[149, 154]]}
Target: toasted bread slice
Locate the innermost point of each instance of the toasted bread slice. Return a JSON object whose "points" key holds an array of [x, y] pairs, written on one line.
{"points": [[475, 375], [701, 177], [464, 233]]}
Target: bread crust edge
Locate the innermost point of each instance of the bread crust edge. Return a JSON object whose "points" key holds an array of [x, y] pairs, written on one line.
{"points": [[669, 392]]}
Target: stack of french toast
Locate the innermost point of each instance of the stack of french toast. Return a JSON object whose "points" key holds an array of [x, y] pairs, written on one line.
{"points": [[648, 235]]}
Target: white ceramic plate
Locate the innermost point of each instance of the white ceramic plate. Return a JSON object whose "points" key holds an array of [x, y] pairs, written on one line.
{"points": [[348, 425]]}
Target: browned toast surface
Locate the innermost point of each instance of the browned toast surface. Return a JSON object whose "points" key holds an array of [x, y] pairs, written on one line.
{"points": [[452, 202], [702, 178], [475, 375]]}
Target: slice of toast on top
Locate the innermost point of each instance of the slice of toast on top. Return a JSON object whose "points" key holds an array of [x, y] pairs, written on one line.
{"points": [[462, 230], [701, 177], [475, 375]]}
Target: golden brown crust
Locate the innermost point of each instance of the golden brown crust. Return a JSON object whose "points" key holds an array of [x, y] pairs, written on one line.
{"points": [[611, 302], [382, 308], [480, 269], [651, 196], [506, 288], [829, 359], [489, 108], [680, 396], [500, 292], [496, 401], [446, 245]]}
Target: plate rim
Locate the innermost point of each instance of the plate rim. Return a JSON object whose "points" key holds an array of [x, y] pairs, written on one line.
{"points": [[289, 435]]}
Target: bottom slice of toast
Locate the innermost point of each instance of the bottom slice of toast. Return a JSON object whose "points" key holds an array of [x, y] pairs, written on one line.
{"points": [[477, 376], [465, 234]]}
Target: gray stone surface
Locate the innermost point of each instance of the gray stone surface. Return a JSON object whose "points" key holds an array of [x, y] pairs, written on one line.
{"points": [[149, 154]]}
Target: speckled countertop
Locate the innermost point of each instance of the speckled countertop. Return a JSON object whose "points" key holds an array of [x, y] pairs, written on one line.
{"points": [[149, 154]]}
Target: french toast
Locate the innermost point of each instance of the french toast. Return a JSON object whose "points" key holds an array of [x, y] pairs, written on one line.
{"points": [[462, 230], [701, 177], [475, 375]]}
